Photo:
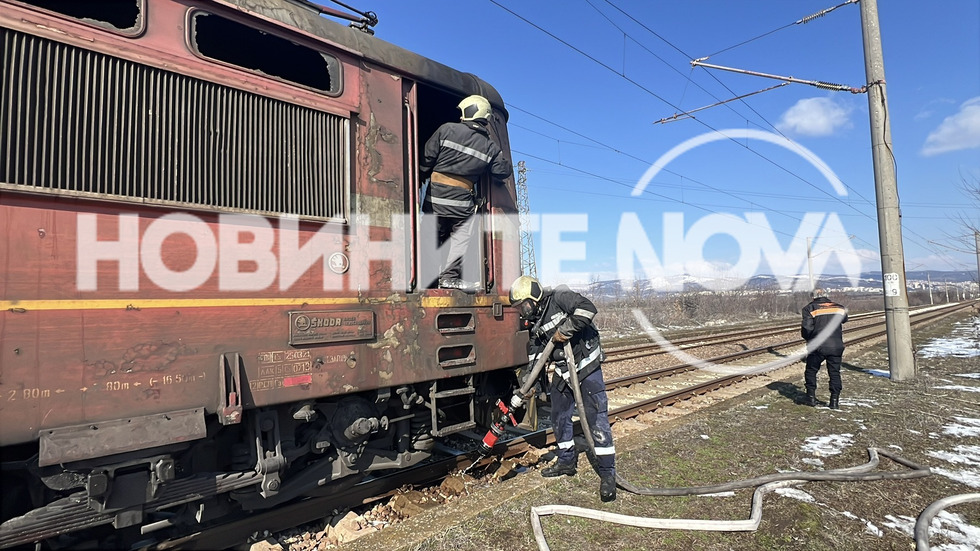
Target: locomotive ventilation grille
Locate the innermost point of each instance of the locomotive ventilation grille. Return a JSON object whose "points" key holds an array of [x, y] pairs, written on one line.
{"points": [[78, 122]]}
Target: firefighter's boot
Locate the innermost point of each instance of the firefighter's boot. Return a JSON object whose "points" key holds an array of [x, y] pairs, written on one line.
{"points": [[835, 400], [559, 469], [811, 398], [607, 488]]}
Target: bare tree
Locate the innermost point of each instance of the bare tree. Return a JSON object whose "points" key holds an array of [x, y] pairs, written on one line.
{"points": [[968, 221]]}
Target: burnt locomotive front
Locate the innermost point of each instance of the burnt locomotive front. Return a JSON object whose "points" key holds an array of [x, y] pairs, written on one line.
{"points": [[212, 277]]}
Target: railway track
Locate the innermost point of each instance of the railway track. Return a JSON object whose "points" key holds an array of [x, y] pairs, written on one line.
{"points": [[642, 350], [629, 396]]}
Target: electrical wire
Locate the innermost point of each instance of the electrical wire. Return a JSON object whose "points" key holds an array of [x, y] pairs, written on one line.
{"points": [[801, 21], [635, 83]]}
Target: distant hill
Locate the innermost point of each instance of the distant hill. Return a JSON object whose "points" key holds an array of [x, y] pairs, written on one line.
{"points": [[868, 282]]}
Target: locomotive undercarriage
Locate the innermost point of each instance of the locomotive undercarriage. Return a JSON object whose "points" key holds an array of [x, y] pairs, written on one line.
{"points": [[273, 455]]}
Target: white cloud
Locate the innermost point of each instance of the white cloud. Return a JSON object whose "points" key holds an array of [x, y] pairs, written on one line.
{"points": [[928, 110], [959, 131], [814, 117]]}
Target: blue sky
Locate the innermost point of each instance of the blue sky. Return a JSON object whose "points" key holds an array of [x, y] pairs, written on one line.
{"points": [[586, 80]]}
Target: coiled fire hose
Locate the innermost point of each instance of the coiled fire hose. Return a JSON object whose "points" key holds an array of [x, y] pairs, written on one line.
{"points": [[764, 485]]}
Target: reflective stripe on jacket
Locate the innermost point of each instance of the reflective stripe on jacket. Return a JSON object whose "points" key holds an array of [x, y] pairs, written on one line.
{"points": [[571, 313], [818, 315], [464, 150]]}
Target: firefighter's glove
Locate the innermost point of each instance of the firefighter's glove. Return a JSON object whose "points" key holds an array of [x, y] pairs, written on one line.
{"points": [[560, 337]]}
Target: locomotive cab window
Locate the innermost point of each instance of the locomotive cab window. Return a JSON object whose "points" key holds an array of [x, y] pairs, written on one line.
{"points": [[123, 16], [231, 42]]}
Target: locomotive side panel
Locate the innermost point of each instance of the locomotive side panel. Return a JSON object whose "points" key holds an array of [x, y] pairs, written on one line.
{"points": [[209, 271]]}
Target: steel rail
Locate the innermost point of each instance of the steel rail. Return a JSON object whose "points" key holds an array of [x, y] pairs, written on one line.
{"points": [[697, 341]]}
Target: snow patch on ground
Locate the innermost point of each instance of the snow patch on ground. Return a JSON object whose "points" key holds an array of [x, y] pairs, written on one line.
{"points": [[963, 342], [858, 402], [813, 461], [796, 494], [823, 446], [718, 494], [959, 387], [872, 529], [878, 373], [961, 535], [965, 455], [964, 476], [965, 427], [902, 523], [967, 375]]}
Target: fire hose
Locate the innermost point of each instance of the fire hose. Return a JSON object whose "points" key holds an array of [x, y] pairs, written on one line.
{"points": [[925, 517], [764, 485], [506, 415]]}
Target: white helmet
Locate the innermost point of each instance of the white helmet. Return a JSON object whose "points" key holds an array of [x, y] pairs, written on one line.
{"points": [[474, 107]]}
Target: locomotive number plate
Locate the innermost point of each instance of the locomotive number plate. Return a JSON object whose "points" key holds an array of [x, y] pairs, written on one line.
{"points": [[333, 326]]}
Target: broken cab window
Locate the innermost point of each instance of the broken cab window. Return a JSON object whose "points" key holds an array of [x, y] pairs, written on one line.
{"points": [[225, 40], [123, 16]]}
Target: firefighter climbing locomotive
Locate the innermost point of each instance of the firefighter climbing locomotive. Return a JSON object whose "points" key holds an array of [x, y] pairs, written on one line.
{"points": [[214, 286]]}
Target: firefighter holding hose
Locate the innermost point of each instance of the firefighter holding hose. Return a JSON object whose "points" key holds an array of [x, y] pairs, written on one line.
{"points": [[562, 315]]}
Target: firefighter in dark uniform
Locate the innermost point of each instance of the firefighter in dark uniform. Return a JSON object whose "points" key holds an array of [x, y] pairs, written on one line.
{"points": [[822, 328], [563, 315], [454, 160]]}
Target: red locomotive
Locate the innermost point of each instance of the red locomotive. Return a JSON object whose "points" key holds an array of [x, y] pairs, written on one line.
{"points": [[212, 277]]}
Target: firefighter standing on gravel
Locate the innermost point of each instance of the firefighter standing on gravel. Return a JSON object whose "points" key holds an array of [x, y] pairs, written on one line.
{"points": [[455, 159], [822, 328], [562, 315]]}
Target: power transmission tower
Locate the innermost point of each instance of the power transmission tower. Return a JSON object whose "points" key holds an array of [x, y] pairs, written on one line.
{"points": [[528, 266]]}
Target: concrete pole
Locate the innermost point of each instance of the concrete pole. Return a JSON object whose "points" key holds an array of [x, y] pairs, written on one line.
{"points": [[929, 279], [976, 236], [901, 357]]}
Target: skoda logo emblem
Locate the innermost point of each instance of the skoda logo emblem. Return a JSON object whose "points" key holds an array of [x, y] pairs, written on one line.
{"points": [[302, 322], [338, 263]]}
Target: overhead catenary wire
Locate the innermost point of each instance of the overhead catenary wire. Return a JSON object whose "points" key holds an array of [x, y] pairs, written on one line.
{"points": [[661, 98], [716, 79], [816, 83], [632, 81], [801, 21], [687, 114]]}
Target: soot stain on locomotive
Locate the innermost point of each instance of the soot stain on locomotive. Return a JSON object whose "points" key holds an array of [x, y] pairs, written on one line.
{"points": [[141, 358], [376, 132]]}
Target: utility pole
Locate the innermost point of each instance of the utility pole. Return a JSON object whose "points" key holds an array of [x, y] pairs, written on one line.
{"points": [[976, 236], [809, 262], [901, 358], [929, 279]]}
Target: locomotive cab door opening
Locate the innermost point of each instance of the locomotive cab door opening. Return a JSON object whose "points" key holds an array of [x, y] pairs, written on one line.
{"points": [[433, 108]]}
